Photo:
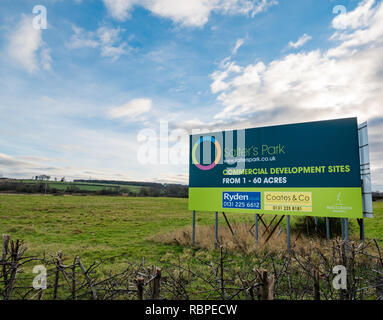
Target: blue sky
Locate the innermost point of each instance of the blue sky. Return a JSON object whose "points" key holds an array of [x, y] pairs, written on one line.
{"points": [[75, 96]]}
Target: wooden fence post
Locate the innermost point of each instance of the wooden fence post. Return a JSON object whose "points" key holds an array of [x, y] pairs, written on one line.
{"points": [[17, 252], [156, 283], [140, 287], [4, 258], [316, 285], [56, 283], [74, 280], [271, 287]]}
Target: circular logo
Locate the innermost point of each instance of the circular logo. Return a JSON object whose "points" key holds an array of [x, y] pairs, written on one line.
{"points": [[217, 158]]}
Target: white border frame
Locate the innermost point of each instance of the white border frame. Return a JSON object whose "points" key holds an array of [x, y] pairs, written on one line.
{"points": [[365, 172]]}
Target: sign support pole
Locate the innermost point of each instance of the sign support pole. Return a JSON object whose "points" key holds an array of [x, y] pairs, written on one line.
{"points": [[316, 224], [361, 229], [346, 232], [256, 229], [328, 229], [216, 230], [342, 227], [193, 239], [288, 233]]}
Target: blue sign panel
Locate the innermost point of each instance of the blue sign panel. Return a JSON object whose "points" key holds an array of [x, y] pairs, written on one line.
{"points": [[323, 154], [241, 200]]}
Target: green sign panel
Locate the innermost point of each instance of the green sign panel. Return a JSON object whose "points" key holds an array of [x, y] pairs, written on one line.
{"points": [[308, 169]]}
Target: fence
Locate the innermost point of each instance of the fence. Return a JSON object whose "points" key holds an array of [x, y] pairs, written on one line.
{"points": [[200, 274]]}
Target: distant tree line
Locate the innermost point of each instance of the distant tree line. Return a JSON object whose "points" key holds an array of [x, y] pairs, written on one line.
{"points": [[171, 190], [42, 177], [377, 196], [155, 190], [20, 187], [149, 189], [125, 183]]}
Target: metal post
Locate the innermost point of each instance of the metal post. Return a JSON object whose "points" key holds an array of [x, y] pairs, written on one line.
{"points": [[346, 231], [288, 233], [362, 229], [342, 227], [328, 229], [216, 229], [256, 229], [316, 224], [193, 228]]}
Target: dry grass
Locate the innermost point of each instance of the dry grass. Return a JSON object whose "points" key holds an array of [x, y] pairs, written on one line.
{"points": [[242, 241]]}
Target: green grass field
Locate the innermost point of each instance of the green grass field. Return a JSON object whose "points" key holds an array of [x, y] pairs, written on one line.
{"points": [[95, 227]]}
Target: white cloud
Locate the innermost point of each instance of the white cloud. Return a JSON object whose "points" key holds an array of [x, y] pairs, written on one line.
{"points": [[357, 32], [238, 44], [219, 76], [360, 17], [23, 167], [119, 9], [301, 41], [6, 160], [172, 178], [349, 84], [82, 39], [46, 59], [262, 6], [188, 13], [27, 48], [344, 81], [131, 110], [106, 39]]}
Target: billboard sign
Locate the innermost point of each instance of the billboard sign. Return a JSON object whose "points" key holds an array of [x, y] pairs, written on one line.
{"points": [[309, 169]]}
